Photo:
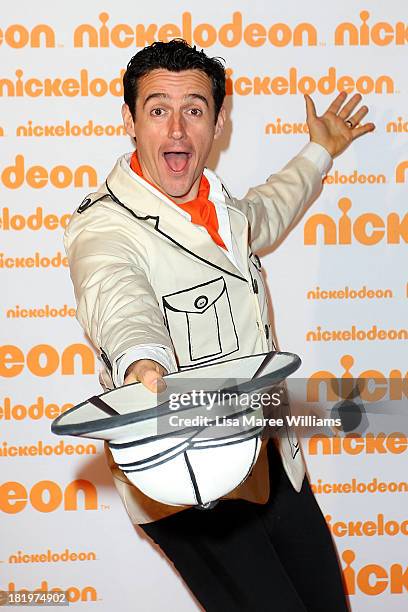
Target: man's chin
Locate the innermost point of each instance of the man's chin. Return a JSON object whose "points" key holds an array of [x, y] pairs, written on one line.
{"points": [[177, 189]]}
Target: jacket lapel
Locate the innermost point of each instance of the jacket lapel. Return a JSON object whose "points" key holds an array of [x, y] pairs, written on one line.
{"points": [[168, 220]]}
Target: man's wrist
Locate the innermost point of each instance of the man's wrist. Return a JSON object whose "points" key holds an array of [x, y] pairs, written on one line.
{"points": [[318, 155]]}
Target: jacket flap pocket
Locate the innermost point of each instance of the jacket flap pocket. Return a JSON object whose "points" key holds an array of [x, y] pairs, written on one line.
{"points": [[197, 299]]}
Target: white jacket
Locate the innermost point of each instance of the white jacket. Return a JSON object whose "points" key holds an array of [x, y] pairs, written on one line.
{"points": [[144, 274]]}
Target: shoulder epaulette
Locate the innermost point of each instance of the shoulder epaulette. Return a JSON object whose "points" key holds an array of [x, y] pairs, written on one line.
{"points": [[91, 199]]}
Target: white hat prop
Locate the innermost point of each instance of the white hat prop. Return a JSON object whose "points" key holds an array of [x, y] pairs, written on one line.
{"points": [[196, 441]]}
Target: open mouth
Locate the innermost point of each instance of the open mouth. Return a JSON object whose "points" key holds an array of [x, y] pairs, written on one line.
{"points": [[177, 161]]}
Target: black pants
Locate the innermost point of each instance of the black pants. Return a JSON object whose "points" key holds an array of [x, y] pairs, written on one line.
{"points": [[243, 556]]}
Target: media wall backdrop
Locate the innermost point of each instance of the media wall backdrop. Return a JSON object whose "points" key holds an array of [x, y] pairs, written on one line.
{"points": [[339, 282]]}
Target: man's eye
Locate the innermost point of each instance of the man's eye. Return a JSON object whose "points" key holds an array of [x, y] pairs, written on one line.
{"points": [[195, 111], [157, 112]]}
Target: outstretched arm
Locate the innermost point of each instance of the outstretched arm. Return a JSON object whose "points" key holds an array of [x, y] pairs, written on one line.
{"points": [[271, 208], [116, 304]]}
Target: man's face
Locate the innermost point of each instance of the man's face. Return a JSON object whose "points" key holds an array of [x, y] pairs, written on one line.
{"points": [[174, 128]]}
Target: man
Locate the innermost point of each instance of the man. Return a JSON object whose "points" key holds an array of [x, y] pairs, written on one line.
{"points": [[166, 277]]}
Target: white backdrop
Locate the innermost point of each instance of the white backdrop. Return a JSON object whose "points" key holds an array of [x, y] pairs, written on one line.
{"points": [[61, 520]]}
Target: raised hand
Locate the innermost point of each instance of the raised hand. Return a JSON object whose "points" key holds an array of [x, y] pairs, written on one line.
{"points": [[336, 129]]}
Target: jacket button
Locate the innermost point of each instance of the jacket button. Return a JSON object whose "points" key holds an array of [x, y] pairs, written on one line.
{"points": [[255, 285], [201, 301], [267, 331]]}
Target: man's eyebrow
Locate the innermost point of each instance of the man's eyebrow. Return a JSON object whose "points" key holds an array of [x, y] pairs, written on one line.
{"points": [[164, 96], [198, 97], [154, 95]]}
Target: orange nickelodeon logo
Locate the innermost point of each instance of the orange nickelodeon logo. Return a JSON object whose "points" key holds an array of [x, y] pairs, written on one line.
{"points": [[44, 360], [378, 527], [52, 556], [355, 334], [73, 593], [294, 83], [48, 496], [354, 443], [41, 449], [47, 311], [355, 178], [123, 35], [39, 410], [380, 34], [368, 229], [68, 129], [397, 127], [17, 36], [36, 221], [37, 260], [70, 87], [394, 386], [349, 293], [38, 177], [359, 487], [373, 578], [285, 127]]}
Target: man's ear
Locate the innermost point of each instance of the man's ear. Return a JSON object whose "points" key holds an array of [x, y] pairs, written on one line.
{"points": [[128, 120], [222, 115]]}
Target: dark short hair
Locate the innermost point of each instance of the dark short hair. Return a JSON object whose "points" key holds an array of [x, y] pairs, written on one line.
{"points": [[176, 55]]}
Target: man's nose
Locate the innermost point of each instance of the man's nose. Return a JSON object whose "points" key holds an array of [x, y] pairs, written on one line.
{"points": [[177, 127]]}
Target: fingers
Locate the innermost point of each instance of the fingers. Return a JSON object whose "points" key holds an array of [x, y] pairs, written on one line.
{"points": [[130, 378], [337, 102], [149, 373], [310, 108], [152, 380], [350, 106], [336, 107], [358, 116], [363, 129]]}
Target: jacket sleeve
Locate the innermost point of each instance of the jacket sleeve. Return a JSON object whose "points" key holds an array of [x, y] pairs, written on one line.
{"points": [[277, 204], [116, 305]]}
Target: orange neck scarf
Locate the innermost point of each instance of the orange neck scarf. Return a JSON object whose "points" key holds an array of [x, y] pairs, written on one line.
{"points": [[201, 210]]}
